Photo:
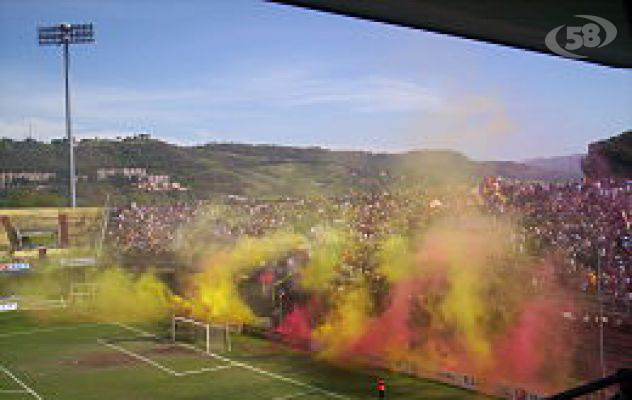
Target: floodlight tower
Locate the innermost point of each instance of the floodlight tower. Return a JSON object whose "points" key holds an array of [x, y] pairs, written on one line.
{"points": [[66, 34]]}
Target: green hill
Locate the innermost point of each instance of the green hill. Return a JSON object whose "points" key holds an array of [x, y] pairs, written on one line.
{"points": [[610, 157], [252, 170]]}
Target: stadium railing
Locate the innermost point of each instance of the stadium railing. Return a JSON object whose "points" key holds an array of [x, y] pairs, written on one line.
{"points": [[623, 378]]}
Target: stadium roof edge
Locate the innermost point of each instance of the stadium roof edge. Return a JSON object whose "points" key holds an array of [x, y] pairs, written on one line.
{"points": [[520, 24]]}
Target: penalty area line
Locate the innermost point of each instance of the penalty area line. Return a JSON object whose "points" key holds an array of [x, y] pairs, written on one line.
{"points": [[313, 389], [138, 357], [202, 370], [19, 382], [131, 328], [158, 365]]}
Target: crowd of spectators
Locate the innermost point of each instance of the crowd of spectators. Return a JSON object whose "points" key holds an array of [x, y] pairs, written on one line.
{"points": [[589, 222], [147, 229], [153, 229]]}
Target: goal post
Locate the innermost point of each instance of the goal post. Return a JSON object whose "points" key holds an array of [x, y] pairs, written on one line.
{"points": [[82, 293], [215, 335]]}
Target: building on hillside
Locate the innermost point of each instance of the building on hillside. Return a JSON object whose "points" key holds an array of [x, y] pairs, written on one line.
{"points": [[140, 179], [159, 183], [127, 172], [15, 179]]}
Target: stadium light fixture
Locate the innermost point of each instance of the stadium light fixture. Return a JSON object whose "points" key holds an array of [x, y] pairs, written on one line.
{"points": [[65, 35]]}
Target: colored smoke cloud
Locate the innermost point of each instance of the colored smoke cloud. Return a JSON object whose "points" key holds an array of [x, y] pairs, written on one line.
{"points": [[459, 298], [213, 294], [325, 257], [106, 295]]}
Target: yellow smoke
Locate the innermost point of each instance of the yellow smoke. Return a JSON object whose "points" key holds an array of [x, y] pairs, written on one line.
{"points": [[119, 296], [104, 295], [462, 274], [345, 323], [214, 292], [465, 250], [395, 261], [325, 258]]}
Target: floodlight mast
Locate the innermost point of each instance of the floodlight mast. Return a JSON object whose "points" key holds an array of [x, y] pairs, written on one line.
{"points": [[64, 35]]}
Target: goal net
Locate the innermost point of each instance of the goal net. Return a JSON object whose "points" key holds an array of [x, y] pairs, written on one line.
{"points": [[213, 338]]}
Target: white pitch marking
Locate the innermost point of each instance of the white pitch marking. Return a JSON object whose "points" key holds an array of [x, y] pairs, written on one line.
{"points": [[201, 370], [245, 366], [139, 357], [19, 382], [34, 331], [131, 328], [158, 365], [12, 391]]}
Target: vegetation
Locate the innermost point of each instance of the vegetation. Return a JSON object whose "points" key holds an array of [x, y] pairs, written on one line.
{"points": [[26, 197], [241, 169], [610, 157]]}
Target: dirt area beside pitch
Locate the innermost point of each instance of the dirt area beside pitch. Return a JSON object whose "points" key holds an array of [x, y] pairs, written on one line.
{"points": [[113, 358]]}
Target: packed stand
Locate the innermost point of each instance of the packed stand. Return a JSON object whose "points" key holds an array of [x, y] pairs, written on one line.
{"points": [[590, 222]]}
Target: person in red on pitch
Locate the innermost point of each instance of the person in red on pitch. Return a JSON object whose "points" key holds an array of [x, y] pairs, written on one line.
{"points": [[381, 388]]}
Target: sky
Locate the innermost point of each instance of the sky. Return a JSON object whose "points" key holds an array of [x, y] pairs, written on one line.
{"points": [[192, 72]]}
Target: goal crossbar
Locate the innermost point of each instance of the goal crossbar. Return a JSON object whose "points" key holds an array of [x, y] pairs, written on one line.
{"points": [[207, 327]]}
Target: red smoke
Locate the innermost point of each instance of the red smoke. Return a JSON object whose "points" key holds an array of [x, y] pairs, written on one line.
{"points": [[535, 349], [295, 327], [391, 331]]}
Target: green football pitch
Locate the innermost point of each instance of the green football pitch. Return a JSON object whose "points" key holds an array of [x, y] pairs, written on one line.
{"points": [[116, 361]]}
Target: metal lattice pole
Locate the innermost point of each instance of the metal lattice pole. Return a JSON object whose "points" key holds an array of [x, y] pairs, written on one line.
{"points": [[602, 361], [71, 147], [65, 35]]}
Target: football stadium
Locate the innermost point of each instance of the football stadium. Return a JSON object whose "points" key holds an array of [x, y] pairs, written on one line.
{"points": [[315, 200]]}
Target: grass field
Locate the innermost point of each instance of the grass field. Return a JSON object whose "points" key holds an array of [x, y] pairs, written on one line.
{"points": [[115, 361]]}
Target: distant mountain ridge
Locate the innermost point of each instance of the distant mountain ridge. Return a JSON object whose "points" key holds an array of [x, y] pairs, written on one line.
{"points": [[257, 170], [570, 165]]}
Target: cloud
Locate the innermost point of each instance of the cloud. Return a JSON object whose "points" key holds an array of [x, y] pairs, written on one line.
{"points": [[40, 129], [222, 107], [362, 94], [195, 107], [46, 129]]}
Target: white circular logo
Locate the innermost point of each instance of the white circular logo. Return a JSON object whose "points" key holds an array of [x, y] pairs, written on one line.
{"points": [[582, 36]]}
